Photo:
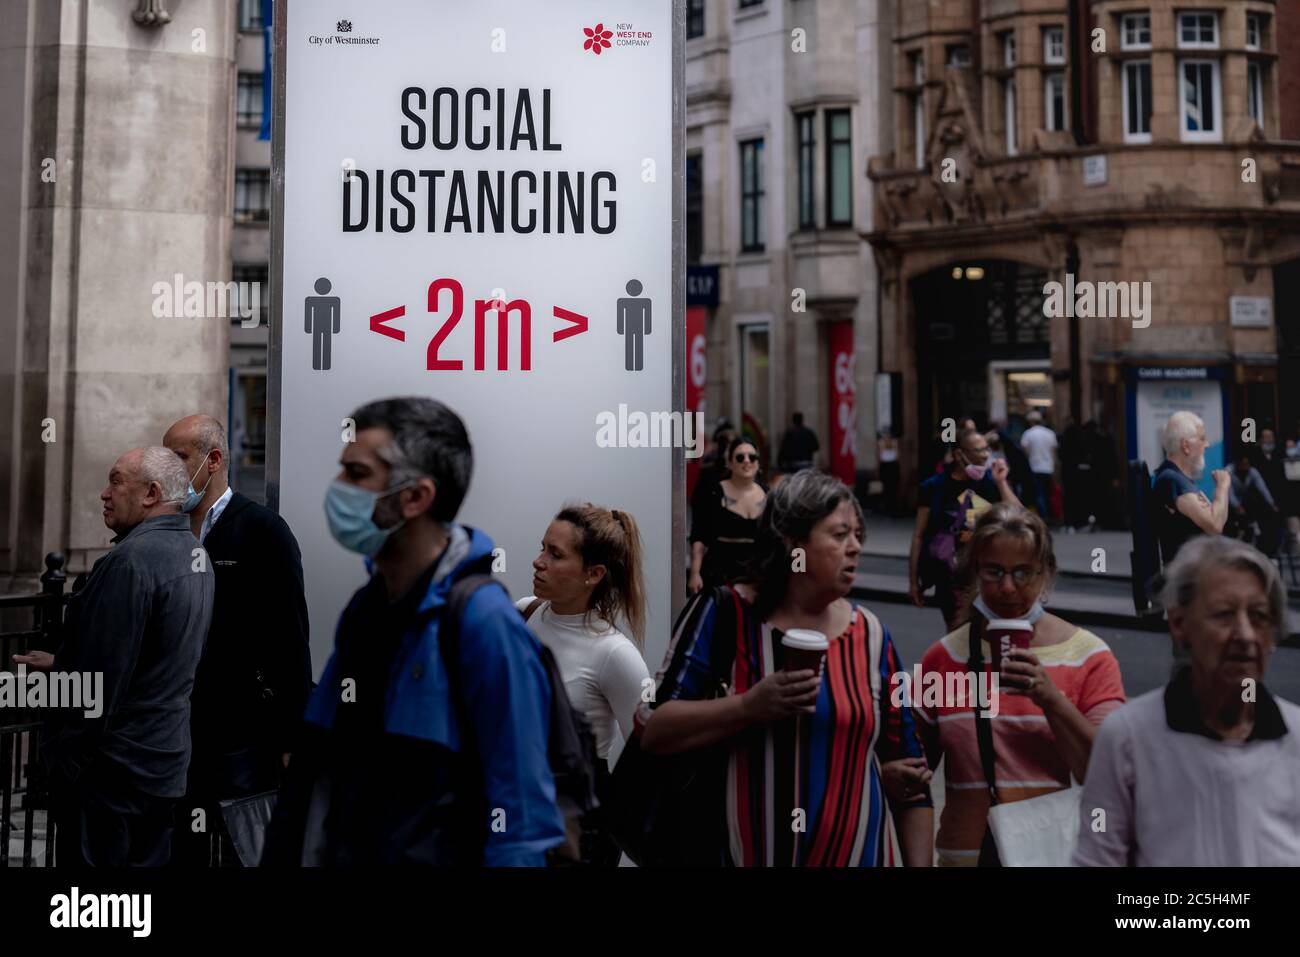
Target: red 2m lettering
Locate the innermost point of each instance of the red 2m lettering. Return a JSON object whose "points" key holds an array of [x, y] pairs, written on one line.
{"points": [[503, 309], [481, 308], [433, 363]]}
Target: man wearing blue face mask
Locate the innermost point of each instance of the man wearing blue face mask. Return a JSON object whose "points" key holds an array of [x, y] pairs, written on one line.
{"points": [[255, 676], [411, 757]]}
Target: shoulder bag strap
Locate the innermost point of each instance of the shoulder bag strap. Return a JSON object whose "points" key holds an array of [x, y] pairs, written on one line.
{"points": [[983, 727]]}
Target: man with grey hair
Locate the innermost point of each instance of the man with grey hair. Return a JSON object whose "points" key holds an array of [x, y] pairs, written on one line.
{"points": [[1213, 743], [253, 681], [1181, 511], [140, 621]]}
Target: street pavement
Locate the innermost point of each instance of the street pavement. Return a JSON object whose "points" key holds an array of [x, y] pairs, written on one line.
{"points": [[1100, 601]]}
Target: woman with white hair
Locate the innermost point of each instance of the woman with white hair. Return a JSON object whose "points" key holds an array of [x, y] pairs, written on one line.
{"points": [[1205, 771]]}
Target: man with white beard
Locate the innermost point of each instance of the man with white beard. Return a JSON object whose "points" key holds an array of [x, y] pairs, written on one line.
{"points": [[1181, 509]]}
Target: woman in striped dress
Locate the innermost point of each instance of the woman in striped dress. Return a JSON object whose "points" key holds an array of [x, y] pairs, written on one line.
{"points": [[814, 763]]}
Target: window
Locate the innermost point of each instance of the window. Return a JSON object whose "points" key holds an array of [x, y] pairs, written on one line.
{"points": [[1135, 31], [250, 16], [1199, 80], [1009, 114], [694, 207], [839, 168], [255, 274], [253, 195], [1198, 30], [694, 19], [1137, 101], [1254, 31], [248, 108], [918, 108], [807, 152], [1054, 45], [1054, 101], [1008, 49], [959, 57], [751, 196], [1255, 91]]}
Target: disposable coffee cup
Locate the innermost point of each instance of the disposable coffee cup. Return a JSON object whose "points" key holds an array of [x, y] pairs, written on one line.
{"points": [[1003, 634], [805, 650]]}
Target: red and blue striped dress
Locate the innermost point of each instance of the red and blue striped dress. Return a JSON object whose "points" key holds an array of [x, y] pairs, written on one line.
{"points": [[805, 791]]}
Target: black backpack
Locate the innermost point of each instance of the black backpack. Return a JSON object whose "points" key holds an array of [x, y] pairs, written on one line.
{"points": [[571, 747]]}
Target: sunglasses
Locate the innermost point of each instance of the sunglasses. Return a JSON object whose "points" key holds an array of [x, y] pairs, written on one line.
{"points": [[746, 457]]}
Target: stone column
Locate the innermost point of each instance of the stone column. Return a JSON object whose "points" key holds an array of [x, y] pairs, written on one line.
{"points": [[118, 130]]}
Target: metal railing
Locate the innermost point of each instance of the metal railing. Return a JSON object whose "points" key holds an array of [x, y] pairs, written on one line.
{"points": [[26, 831]]}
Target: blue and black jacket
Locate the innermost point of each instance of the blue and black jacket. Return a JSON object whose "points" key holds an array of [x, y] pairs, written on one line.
{"points": [[427, 790]]}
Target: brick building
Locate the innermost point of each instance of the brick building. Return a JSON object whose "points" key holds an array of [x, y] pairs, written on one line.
{"points": [[1091, 142]]}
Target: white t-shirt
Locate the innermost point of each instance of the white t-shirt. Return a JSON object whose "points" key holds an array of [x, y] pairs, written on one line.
{"points": [[602, 670], [1039, 442]]}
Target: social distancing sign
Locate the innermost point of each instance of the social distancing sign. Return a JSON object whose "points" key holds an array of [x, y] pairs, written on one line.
{"points": [[478, 206]]}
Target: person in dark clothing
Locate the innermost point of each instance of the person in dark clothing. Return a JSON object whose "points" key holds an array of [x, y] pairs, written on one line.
{"points": [[949, 505], [406, 758], [1076, 476], [1005, 442], [141, 621], [1253, 512], [1181, 509], [799, 445], [1103, 489], [725, 523], [255, 675]]}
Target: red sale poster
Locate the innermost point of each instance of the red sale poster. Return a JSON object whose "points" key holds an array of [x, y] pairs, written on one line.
{"points": [[696, 369], [843, 409]]}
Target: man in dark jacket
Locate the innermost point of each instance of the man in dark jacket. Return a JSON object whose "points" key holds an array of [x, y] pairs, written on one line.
{"points": [[253, 681], [409, 758], [140, 620]]}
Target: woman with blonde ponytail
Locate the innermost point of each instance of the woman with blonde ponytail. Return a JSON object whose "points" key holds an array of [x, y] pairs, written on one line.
{"points": [[586, 584]]}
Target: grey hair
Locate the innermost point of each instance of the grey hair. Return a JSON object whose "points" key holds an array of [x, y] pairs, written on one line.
{"points": [[162, 465], [429, 440], [212, 435], [1214, 551], [791, 512], [1181, 425]]}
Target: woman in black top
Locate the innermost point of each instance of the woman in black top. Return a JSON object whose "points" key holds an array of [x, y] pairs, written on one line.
{"points": [[725, 522]]}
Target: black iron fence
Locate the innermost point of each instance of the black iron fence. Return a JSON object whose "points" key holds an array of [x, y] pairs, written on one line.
{"points": [[26, 831]]}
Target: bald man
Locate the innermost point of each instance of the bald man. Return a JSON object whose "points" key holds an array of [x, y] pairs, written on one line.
{"points": [[255, 676], [141, 621]]}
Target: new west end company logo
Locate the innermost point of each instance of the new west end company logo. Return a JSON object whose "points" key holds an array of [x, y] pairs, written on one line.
{"points": [[342, 37], [598, 38]]}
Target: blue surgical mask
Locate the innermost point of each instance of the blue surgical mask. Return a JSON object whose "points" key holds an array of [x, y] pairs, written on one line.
{"points": [[350, 511], [192, 498], [1035, 612]]}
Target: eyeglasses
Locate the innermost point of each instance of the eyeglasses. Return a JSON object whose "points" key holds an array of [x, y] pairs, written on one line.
{"points": [[746, 457], [993, 574]]}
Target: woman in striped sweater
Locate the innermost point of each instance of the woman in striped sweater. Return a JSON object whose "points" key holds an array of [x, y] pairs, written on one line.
{"points": [[809, 757]]}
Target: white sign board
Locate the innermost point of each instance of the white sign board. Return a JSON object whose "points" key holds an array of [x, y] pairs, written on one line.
{"points": [[1251, 312], [441, 159], [1094, 170]]}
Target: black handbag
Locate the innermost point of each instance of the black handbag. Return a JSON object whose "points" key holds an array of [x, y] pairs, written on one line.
{"points": [[669, 811]]}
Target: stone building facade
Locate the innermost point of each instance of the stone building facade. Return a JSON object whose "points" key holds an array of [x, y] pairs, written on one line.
{"points": [[782, 100], [1115, 142], [116, 129]]}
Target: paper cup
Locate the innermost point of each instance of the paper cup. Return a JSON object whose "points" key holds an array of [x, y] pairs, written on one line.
{"points": [[805, 650], [1003, 634]]}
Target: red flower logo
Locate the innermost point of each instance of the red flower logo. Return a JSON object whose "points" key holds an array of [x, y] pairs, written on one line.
{"points": [[597, 38]]}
